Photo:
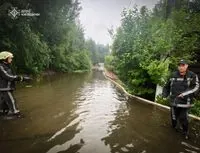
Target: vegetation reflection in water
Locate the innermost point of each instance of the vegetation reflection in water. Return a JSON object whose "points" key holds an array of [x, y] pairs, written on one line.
{"points": [[87, 113]]}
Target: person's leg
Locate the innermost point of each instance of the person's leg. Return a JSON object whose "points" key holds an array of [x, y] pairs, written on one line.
{"points": [[184, 121], [11, 103], [173, 111], [1, 104]]}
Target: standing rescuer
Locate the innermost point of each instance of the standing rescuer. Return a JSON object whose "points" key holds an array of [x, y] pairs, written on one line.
{"points": [[181, 88], [7, 85]]}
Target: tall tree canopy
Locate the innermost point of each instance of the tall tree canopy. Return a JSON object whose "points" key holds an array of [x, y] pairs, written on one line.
{"points": [[149, 43], [54, 40]]}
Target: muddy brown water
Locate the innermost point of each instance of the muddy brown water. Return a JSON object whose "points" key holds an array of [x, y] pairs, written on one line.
{"points": [[86, 113]]}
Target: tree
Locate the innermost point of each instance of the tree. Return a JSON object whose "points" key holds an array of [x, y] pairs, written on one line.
{"points": [[54, 40], [97, 51], [147, 45]]}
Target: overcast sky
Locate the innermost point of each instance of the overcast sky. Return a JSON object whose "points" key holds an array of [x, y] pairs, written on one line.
{"points": [[99, 15]]}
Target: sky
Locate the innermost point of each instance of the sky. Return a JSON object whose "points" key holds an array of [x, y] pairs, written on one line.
{"points": [[97, 16]]}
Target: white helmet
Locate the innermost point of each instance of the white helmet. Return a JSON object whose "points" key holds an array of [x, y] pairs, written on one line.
{"points": [[5, 54]]}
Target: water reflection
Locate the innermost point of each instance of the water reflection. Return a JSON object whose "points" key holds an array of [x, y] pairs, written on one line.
{"points": [[145, 128], [86, 113], [94, 108]]}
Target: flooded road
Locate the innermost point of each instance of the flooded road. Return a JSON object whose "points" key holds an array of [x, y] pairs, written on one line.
{"points": [[85, 113]]}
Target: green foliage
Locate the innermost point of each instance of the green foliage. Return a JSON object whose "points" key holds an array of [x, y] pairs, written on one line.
{"points": [[97, 52], [109, 62], [75, 62], [163, 101], [54, 40], [158, 71], [148, 45], [196, 109], [32, 52]]}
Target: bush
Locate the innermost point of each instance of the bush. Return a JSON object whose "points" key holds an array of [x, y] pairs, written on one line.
{"points": [[109, 62], [196, 109], [163, 101]]}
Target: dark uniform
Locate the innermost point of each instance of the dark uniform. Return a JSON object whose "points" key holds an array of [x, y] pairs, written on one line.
{"points": [[186, 85], [7, 86]]}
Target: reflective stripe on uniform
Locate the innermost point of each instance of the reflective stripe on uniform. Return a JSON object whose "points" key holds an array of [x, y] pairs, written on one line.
{"points": [[189, 81], [188, 100], [5, 89], [179, 79], [8, 87], [9, 83], [172, 81], [13, 101], [194, 89], [6, 73], [173, 114], [184, 105]]}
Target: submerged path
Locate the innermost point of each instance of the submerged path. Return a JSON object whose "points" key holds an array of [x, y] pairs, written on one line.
{"points": [[86, 113]]}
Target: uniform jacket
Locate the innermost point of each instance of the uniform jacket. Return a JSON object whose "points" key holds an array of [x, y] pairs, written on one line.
{"points": [[186, 85], [7, 78]]}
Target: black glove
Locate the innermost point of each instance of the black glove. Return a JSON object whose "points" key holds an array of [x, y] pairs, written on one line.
{"points": [[26, 78], [19, 78]]}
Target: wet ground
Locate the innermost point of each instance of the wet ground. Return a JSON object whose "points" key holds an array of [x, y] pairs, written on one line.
{"points": [[85, 113]]}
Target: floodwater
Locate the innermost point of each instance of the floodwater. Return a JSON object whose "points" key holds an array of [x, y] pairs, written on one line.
{"points": [[85, 113]]}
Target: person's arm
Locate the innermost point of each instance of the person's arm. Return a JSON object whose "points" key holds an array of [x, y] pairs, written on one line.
{"points": [[194, 86], [166, 89], [9, 77]]}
